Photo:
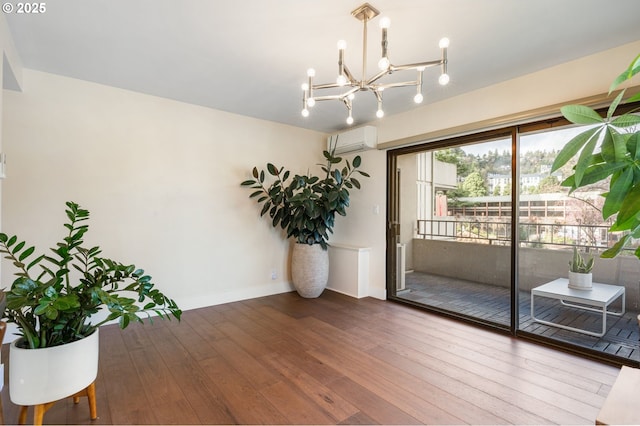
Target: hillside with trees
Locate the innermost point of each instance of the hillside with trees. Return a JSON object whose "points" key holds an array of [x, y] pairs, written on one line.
{"points": [[473, 169]]}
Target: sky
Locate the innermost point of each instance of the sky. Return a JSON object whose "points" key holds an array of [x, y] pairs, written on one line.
{"points": [[543, 141]]}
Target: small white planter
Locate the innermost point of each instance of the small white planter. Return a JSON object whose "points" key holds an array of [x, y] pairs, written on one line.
{"points": [[38, 376], [580, 281], [309, 269]]}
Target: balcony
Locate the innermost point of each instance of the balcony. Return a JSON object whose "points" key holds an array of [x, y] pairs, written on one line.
{"points": [[463, 266]]}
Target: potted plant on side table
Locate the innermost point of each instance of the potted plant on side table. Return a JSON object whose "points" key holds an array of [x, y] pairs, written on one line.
{"points": [[305, 207], [52, 302], [580, 277]]}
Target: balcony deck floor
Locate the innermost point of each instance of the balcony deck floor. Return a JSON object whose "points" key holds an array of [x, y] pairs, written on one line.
{"points": [[492, 303]]}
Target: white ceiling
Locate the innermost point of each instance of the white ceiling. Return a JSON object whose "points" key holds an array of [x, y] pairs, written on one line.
{"points": [[250, 57]]}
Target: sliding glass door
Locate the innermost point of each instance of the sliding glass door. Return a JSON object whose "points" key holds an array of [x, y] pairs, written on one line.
{"points": [[481, 229], [450, 218]]}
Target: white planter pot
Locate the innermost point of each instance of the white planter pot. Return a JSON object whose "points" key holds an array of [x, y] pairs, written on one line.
{"points": [[309, 269], [580, 281], [38, 376]]}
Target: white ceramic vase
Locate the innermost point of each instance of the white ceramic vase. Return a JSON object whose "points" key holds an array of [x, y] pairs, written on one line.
{"points": [[309, 269], [580, 281], [38, 376]]}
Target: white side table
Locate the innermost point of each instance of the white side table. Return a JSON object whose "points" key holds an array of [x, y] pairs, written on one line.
{"points": [[597, 299]]}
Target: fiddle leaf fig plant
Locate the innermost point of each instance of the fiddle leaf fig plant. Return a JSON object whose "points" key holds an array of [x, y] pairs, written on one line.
{"points": [[610, 148], [304, 205], [54, 296]]}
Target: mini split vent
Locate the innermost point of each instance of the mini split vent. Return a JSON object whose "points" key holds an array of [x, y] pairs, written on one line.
{"points": [[360, 139]]}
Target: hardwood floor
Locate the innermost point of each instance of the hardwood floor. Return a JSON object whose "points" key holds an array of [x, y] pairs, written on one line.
{"points": [[333, 360]]}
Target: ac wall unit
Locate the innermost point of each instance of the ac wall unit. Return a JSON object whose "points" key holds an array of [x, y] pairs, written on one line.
{"points": [[359, 139]]}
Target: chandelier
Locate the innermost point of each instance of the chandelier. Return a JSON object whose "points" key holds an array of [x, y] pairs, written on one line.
{"points": [[351, 85]]}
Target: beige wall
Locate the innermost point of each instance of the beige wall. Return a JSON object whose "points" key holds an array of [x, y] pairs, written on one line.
{"points": [[161, 179]]}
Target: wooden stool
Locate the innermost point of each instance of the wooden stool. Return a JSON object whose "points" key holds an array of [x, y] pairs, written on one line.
{"points": [[40, 409]]}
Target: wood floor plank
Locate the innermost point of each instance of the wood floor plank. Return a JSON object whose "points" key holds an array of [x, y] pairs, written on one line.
{"points": [[295, 406], [246, 403], [248, 366], [361, 373], [201, 392], [371, 405], [335, 406]]}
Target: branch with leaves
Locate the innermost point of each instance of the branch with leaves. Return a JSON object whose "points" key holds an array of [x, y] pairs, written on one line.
{"points": [[50, 310], [618, 158]]}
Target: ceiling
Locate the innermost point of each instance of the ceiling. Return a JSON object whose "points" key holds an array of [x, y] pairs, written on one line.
{"points": [[250, 57]]}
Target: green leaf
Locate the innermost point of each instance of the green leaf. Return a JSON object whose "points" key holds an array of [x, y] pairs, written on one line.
{"points": [[273, 170], [12, 241], [627, 74], [584, 160], [26, 253], [617, 248], [614, 147], [630, 205], [626, 120], [634, 98], [18, 247], [619, 188], [614, 105], [573, 147], [580, 114], [633, 146], [357, 161], [265, 208], [337, 176]]}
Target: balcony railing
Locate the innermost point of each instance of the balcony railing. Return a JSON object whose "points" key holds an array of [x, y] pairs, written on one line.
{"points": [[589, 237]]}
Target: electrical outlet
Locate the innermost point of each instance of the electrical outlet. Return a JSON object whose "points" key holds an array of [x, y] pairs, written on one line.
{"points": [[274, 275]]}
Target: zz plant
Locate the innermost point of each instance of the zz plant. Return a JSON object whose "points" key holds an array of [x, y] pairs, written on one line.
{"points": [[617, 158], [54, 295], [305, 205]]}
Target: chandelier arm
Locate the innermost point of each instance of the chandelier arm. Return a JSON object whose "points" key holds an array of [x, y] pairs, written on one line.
{"points": [[329, 98], [347, 73], [325, 86], [417, 65], [376, 77], [392, 85]]}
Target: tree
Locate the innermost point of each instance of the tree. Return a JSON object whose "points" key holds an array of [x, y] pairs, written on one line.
{"points": [[454, 156], [548, 184], [474, 185]]}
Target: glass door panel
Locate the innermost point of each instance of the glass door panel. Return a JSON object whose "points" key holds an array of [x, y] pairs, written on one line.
{"points": [[452, 249], [553, 223]]}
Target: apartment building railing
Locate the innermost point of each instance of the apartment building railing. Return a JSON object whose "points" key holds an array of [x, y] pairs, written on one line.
{"points": [[596, 237]]}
